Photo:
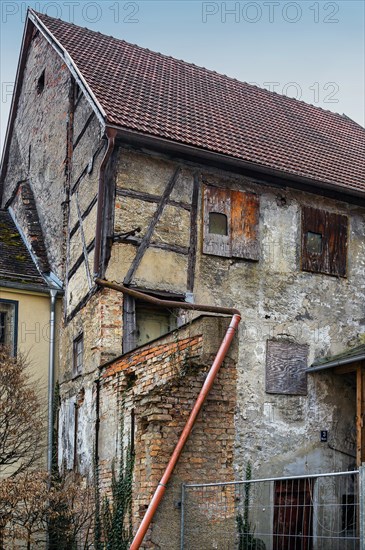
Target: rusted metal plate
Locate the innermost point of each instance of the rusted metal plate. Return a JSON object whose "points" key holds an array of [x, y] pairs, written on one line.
{"points": [[331, 257], [241, 210], [286, 363], [245, 225], [217, 200]]}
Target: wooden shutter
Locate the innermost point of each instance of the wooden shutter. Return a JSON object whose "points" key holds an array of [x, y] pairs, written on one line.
{"points": [[242, 212], [245, 225], [333, 228], [219, 201], [286, 363]]}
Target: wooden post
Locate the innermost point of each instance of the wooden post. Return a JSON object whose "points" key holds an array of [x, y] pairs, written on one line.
{"points": [[360, 416]]}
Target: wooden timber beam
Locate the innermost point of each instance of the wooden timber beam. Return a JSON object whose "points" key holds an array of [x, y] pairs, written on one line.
{"points": [[360, 415]]}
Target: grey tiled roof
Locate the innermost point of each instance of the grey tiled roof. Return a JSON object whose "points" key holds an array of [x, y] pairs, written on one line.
{"points": [[16, 264]]}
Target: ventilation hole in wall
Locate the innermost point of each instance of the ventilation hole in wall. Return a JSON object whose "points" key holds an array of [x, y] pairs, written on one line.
{"points": [[218, 224], [130, 379], [40, 83]]}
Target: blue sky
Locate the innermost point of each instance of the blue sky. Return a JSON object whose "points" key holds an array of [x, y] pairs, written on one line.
{"points": [[311, 50]]}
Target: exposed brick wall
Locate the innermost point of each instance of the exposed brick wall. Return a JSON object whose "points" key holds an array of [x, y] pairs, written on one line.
{"points": [[38, 144], [161, 382]]}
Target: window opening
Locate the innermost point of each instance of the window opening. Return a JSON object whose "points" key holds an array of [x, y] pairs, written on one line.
{"points": [[151, 322], [230, 223], [349, 514], [78, 354], [314, 243], [40, 83], [218, 223], [324, 242], [8, 324]]}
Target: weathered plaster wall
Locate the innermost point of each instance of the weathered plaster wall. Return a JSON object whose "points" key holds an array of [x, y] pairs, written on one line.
{"points": [[278, 433], [87, 153], [39, 144]]}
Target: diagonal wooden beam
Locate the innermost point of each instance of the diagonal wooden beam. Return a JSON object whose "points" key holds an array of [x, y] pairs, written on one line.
{"points": [[155, 218]]}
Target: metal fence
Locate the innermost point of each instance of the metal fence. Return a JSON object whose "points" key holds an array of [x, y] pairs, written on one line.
{"points": [[316, 512]]}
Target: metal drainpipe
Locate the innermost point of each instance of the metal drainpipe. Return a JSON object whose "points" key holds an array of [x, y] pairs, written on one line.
{"points": [[51, 366], [111, 134], [166, 303], [208, 383]]}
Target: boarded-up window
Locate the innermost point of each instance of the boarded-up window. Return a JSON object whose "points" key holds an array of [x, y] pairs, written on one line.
{"points": [[231, 222], [324, 242], [286, 363]]}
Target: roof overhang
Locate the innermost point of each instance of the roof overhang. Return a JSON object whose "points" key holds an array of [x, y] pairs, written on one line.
{"points": [[348, 358], [259, 172]]}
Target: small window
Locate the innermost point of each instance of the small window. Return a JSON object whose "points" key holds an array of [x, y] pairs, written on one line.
{"points": [[78, 355], [40, 83], [286, 364], [324, 242], [9, 324], [77, 91], [218, 224], [151, 322], [314, 243], [231, 223], [144, 322]]}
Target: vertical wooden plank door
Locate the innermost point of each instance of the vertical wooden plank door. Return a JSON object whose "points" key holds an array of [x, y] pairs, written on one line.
{"points": [[293, 515]]}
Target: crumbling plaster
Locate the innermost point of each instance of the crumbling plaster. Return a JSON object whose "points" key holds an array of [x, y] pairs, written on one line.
{"points": [[38, 144], [277, 300]]}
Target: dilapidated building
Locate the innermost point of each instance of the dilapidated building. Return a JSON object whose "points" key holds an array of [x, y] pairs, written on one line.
{"points": [[189, 186]]}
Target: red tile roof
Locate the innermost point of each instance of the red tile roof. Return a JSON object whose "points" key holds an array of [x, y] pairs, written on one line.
{"points": [[161, 96]]}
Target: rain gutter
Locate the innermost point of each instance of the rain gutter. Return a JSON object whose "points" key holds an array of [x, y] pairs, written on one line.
{"points": [[337, 363]]}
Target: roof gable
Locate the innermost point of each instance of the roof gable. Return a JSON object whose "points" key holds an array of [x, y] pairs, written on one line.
{"points": [[154, 95]]}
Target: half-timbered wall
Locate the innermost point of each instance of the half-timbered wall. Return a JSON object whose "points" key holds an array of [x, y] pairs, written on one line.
{"points": [[162, 244]]}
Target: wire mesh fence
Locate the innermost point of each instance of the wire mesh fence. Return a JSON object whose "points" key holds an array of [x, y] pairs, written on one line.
{"points": [[320, 512]]}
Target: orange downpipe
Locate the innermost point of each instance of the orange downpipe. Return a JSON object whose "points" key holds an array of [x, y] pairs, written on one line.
{"points": [[161, 488]]}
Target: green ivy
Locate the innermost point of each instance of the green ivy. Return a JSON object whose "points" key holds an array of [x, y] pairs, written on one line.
{"points": [[113, 522]]}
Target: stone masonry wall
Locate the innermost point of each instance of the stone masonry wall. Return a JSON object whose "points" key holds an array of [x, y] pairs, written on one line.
{"points": [[160, 383], [39, 144]]}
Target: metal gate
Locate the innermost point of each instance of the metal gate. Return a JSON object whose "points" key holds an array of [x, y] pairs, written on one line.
{"points": [[315, 512]]}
